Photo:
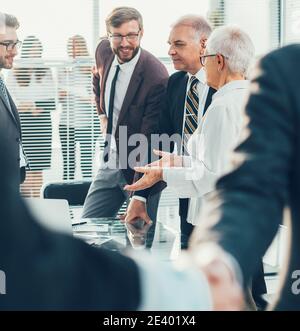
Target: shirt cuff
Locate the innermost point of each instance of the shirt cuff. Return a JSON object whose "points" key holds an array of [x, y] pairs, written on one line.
{"points": [[172, 287], [137, 197]]}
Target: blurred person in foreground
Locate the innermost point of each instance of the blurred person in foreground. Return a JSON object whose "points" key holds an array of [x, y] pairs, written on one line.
{"points": [[45, 270], [242, 218]]}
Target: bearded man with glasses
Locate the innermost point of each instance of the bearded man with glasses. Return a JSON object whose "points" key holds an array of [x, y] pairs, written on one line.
{"points": [[9, 117], [129, 87]]}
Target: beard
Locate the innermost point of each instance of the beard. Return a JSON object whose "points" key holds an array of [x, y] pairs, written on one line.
{"points": [[128, 54], [5, 64]]}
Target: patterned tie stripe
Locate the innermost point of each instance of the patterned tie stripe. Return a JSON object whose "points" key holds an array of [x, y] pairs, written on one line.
{"points": [[191, 112]]}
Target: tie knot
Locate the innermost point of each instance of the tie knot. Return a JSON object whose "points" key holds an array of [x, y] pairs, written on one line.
{"points": [[117, 69], [194, 80]]}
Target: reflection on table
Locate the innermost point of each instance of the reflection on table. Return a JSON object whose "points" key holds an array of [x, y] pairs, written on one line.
{"points": [[112, 234]]}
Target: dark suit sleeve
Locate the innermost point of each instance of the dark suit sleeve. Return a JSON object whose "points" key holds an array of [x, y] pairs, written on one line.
{"points": [[102, 54], [52, 271], [243, 216], [150, 125]]}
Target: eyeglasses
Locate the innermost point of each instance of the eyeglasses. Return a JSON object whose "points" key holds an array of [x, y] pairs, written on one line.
{"points": [[203, 58], [11, 45], [130, 37]]}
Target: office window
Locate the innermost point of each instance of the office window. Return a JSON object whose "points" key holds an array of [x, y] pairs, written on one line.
{"points": [[259, 18], [291, 21], [51, 85], [61, 77]]}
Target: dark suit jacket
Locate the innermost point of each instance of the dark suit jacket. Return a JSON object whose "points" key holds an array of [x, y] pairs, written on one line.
{"points": [[10, 124], [49, 271], [171, 118], [143, 100], [248, 207], [46, 270]]}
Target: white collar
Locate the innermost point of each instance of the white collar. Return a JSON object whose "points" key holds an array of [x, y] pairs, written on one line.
{"points": [[234, 85], [200, 75], [127, 65]]}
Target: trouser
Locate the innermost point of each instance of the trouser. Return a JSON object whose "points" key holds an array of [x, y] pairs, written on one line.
{"points": [[186, 230], [104, 201], [259, 287]]}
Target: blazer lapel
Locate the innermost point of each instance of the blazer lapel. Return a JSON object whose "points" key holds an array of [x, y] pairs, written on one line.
{"points": [[135, 81], [103, 84], [180, 102], [12, 109], [210, 94]]}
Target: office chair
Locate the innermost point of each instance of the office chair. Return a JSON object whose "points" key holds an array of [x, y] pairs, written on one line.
{"points": [[73, 191]]}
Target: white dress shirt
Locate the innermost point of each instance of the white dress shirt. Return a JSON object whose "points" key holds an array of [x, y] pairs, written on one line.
{"points": [[210, 147]]}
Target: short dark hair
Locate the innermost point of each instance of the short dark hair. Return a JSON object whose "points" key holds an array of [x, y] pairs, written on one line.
{"points": [[9, 20], [122, 15]]}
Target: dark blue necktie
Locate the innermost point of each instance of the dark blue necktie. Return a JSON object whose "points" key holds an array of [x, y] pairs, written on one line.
{"points": [[110, 114]]}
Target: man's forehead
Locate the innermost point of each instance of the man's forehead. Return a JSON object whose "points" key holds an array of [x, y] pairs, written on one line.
{"points": [[133, 24], [2, 24], [182, 34], [8, 34]]}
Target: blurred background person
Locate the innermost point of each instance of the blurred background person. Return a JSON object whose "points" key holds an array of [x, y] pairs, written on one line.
{"points": [[79, 121], [33, 90]]}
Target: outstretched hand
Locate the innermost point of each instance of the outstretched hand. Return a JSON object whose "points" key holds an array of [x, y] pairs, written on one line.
{"points": [[153, 172]]}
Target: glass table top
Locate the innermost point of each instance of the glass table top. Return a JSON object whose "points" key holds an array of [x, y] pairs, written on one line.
{"points": [[112, 234]]}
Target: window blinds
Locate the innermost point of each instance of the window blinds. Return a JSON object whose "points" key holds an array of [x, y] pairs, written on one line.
{"points": [[291, 21], [259, 18], [51, 82]]}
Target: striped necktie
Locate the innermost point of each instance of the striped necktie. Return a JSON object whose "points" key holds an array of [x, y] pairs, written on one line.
{"points": [[4, 92], [191, 112]]}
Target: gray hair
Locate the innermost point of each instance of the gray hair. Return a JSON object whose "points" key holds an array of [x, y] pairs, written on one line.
{"points": [[122, 15], [235, 44], [198, 23], [9, 21]]}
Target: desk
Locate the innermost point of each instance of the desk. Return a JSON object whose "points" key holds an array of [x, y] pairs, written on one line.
{"points": [[110, 233]]}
